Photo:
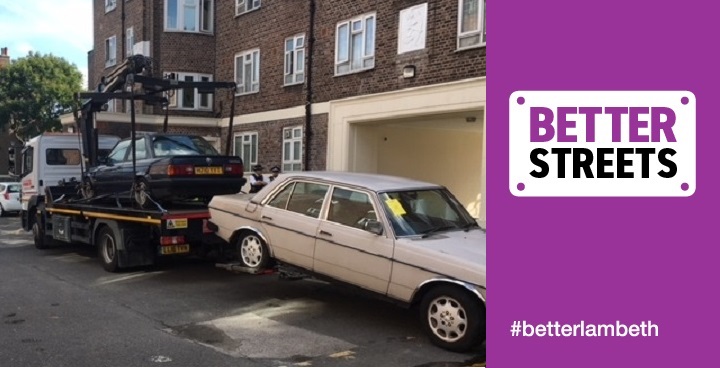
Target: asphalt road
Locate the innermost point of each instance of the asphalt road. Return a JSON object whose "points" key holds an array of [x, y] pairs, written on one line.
{"points": [[58, 307]]}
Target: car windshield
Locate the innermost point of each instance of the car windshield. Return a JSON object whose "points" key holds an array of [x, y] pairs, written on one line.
{"points": [[424, 212], [181, 145]]}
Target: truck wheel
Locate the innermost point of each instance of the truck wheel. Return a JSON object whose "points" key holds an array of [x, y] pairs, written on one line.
{"points": [[252, 251], [453, 318], [39, 238], [107, 249]]}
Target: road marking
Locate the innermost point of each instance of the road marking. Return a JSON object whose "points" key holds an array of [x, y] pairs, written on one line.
{"points": [[110, 280], [160, 359], [15, 243], [13, 232]]}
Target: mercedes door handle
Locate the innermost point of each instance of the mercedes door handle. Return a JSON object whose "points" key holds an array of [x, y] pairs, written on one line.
{"points": [[323, 232], [267, 218]]}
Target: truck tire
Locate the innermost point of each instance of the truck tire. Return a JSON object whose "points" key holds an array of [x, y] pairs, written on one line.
{"points": [[107, 245], [41, 241], [453, 318]]}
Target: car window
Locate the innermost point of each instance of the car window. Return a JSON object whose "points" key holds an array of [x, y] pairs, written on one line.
{"points": [[60, 156], [181, 145], [280, 200], [351, 208], [140, 150], [118, 153], [423, 211], [307, 198], [14, 188], [2, 188]]}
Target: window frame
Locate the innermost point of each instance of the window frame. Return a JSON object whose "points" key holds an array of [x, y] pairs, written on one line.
{"points": [[481, 28], [245, 4], [129, 41], [110, 5], [350, 32], [200, 25], [291, 140], [247, 162], [175, 96], [297, 75], [255, 79], [110, 48]]}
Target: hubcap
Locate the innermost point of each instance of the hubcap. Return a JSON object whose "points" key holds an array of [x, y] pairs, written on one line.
{"points": [[447, 319], [251, 251], [108, 248]]}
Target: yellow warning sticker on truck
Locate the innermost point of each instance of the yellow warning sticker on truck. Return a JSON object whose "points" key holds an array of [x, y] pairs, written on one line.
{"points": [[177, 224]]}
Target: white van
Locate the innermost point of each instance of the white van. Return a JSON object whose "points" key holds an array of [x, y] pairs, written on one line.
{"points": [[49, 159]]}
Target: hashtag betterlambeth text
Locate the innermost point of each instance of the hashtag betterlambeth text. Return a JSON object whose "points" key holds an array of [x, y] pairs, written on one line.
{"points": [[582, 329]]}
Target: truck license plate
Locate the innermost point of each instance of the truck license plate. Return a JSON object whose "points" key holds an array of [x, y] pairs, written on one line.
{"points": [[175, 249], [210, 170]]}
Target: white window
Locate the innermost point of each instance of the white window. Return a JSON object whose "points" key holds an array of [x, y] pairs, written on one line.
{"points": [[292, 149], [129, 41], [247, 71], [110, 51], [471, 23], [355, 44], [189, 98], [110, 5], [246, 146], [295, 59], [244, 6], [189, 15]]}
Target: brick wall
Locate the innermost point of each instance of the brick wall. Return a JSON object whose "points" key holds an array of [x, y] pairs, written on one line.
{"points": [[266, 29], [439, 62], [270, 139]]}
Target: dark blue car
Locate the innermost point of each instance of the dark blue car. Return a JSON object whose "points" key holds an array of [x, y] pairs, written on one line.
{"points": [[168, 167]]}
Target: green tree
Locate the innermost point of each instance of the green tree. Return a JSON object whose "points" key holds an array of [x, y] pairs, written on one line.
{"points": [[34, 91]]}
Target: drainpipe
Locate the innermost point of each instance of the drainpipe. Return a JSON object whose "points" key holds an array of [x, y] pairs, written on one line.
{"points": [[309, 90], [123, 30]]}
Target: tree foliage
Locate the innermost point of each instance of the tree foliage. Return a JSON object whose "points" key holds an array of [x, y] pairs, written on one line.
{"points": [[34, 91]]}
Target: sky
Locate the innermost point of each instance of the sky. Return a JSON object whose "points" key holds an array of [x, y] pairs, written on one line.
{"points": [[62, 28]]}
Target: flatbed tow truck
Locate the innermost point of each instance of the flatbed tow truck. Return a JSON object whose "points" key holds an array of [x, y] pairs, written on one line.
{"points": [[124, 234]]}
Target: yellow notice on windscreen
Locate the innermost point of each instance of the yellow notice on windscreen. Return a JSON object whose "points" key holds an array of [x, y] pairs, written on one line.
{"points": [[395, 206]]}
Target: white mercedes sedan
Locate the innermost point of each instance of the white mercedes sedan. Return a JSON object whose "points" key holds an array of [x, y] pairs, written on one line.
{"points": [[404, 239]]}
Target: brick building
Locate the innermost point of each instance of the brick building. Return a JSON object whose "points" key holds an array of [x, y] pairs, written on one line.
{"points": [[393, 87]]}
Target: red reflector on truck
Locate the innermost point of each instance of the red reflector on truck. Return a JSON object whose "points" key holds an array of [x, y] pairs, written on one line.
{"points": [[172, 240]]}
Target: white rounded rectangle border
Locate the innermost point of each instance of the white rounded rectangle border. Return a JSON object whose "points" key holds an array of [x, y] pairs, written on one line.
{"points": [[557, 139]]}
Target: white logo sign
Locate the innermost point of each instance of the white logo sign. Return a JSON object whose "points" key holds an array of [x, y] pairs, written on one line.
{"points": [[602, 143]]}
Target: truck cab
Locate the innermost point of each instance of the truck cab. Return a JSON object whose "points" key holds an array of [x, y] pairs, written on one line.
{"points": [[48, 159]]}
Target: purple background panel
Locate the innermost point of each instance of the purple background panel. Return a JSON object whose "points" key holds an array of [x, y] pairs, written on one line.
{"points": [[604, 259]]}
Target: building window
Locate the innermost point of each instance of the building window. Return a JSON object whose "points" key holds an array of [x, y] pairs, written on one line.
{"points": [[247, 71], [189, 98], [110, 5], [246, 146], [471, 24], [244, 6], [355, 44], [110, 51], [292, 149], [189, 15], [295, 59], [129, 41]]}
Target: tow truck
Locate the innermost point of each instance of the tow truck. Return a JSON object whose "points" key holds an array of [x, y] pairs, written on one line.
{"points": [[125, 235]]}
